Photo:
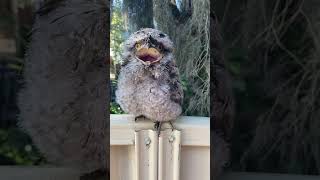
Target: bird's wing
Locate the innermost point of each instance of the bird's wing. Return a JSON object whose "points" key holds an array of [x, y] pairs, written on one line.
{"points": [[175, 90]]}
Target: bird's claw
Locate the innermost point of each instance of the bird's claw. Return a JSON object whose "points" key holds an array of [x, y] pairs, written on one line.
{"points": [[157, 127], [138, 117], [172, 127]]}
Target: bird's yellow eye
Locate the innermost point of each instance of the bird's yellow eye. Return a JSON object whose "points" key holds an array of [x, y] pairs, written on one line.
{"points": [[138, 45]]}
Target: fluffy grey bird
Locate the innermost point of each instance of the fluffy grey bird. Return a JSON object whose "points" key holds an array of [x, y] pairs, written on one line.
{"points": [[63, 106], [148, 83]]}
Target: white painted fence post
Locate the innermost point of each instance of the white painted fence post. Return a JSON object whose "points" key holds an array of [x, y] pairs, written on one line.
{"points": [[169, 155], [185, 157], [157, 158], [146, 150]]}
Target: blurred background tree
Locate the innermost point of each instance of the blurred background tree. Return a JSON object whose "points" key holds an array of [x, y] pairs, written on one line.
{"points": [[272, 50], [16, 18], [187, 23], [137, 14]]}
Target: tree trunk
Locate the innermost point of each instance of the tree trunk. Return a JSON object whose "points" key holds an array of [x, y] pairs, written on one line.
{"points": [[138, 14]]}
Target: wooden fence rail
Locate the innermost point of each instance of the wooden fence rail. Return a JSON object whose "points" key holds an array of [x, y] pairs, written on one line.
{"points": [[194, 153], [53, 173], [194, 157]]}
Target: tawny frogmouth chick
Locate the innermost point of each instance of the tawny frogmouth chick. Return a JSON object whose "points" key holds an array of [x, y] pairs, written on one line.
{"points": [[148, 83]]}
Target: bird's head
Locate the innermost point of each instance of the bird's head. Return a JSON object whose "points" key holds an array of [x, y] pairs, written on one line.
{"points": [[148, 46]]}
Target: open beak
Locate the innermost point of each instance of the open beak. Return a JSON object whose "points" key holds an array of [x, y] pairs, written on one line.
{"points": [[148, 55]]}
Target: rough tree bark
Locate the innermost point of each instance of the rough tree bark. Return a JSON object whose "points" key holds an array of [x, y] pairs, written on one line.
{"points": [[138, 14]]}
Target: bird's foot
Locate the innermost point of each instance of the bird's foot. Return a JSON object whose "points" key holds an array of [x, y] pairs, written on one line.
{"points": [[138, 117], [157, 127], [172, 127]]}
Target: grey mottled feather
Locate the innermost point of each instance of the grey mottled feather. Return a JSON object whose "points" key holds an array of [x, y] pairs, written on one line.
{"points": [[63, 104], [176, 92], [153, 91]]}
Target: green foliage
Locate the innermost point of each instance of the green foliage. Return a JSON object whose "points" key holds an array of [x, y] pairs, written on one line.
{"points": [[116, 32], [115, 108], [16, 148], [188, 94]]}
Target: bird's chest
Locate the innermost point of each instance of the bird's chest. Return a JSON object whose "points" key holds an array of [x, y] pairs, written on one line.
{"points": [[151, 91]]}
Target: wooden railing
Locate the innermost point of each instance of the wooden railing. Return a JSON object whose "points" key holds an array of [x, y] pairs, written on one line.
{"points": [[195, 130], [153, 161], [194, 155]]}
